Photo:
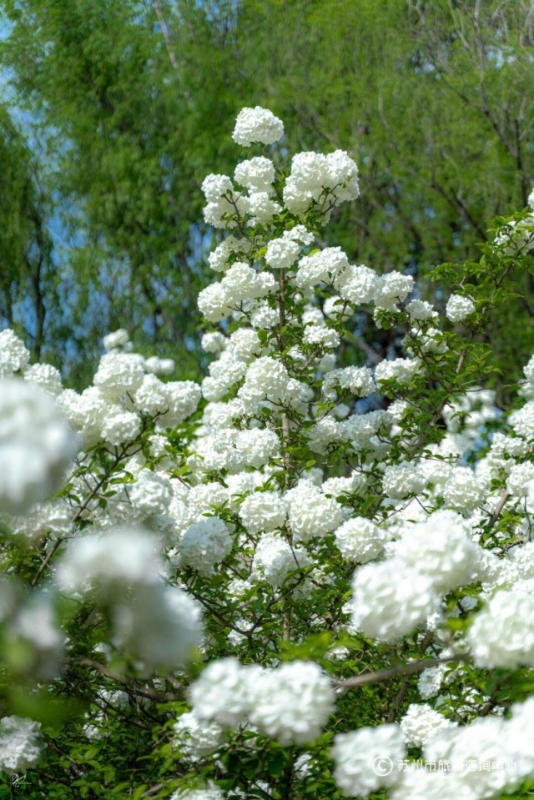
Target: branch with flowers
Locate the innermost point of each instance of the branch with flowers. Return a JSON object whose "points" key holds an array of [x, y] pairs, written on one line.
{"points": [[194, 575]]}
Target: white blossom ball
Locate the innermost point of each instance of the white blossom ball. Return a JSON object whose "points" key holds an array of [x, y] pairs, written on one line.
{"points": [[311, 513], [205, 544], [152, 493], [391, 600], [20, 748], [116, 556], [119, 373], [257, 125], [36, 445], [224, 691], [282, 253], [459, 307], [293, 702], [45, 376], [502, 634], [440, 548], [263, 512], [116, 339], [274, 559], [420, 722], [198, 738], [366, 759], [120, 427], [256, 174], [14, 355], [360, 540]]}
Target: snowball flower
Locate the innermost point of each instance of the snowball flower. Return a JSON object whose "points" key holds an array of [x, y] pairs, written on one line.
{"points": [[464, 490], [313, 175], [468, 749], [257, 446], [119, 373], [310, 512], [151, 494], [257, 125], [282, 253], [36, 445], [459, 307], [358, 380], [366, 759], [262, 511], [120, 427], [198, 738], [224, 691], [357, 284], [274, 559], [392, 288], [45, 376], [213, 342], [520, 479], [257, 174], [321, 267], [391, 599], [359, 539], [19, 744], [266, 378], [440, 548], [400, 369], [402, 480], [420, 722], [117, 556], [502, 634], [293, 702], [204, 544], [115, 340], [14, 355]]}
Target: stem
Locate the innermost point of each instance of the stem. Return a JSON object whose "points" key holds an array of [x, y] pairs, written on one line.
{"points": [[393, 672], [166, 33]]}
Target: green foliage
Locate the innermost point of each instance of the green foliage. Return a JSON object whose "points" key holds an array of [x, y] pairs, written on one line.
{"points": [[128, 101]]}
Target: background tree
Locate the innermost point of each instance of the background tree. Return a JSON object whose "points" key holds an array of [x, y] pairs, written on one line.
{"points": [[28, 283], [431, 99]]}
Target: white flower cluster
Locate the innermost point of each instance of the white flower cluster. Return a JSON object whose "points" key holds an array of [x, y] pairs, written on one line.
{"points": [[459, 307], [324, 180], [421, 722], [274, 558], [205, 544], [429, 559], [290, 703], [20, 748], [360, 540], [257, 125], [311, 513], [36, 445], [125, 390], [502, 634], [363, 759], [160, 624], [198, 738], [258, 503]]}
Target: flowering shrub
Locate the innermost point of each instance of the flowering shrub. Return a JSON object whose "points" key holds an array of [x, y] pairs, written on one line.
{"points": [[303, 576]]}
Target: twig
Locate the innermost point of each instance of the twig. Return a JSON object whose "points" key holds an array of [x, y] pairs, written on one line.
{"points": [[393, 672], [165, 32]]}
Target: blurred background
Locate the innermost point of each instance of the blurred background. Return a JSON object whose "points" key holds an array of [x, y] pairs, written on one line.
{"points": [[112, 113]]}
